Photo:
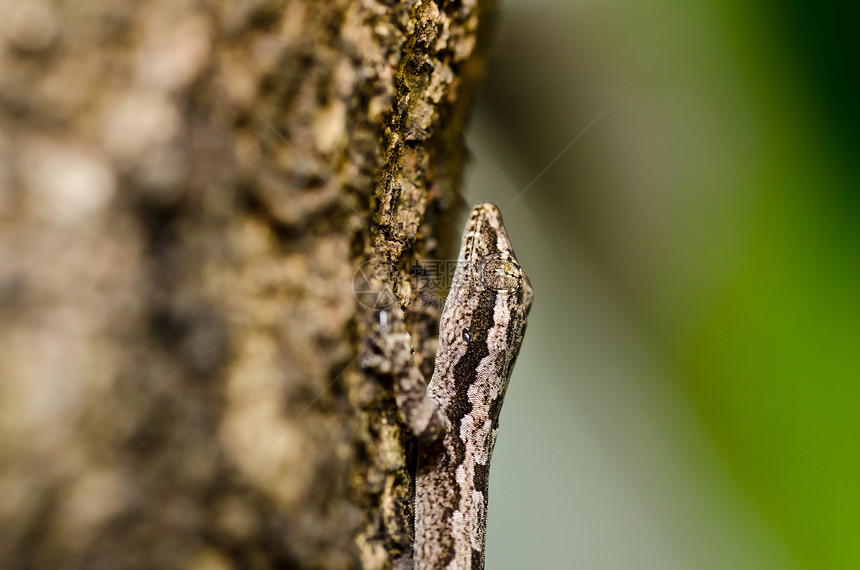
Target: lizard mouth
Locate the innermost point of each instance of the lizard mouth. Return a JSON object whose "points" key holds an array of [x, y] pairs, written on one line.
{"points": [[487, 232]]}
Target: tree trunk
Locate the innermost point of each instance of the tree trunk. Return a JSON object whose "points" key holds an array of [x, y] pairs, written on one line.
{"points": [[186, 193]]}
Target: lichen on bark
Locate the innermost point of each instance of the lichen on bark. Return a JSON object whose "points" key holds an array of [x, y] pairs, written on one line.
{"points": [[186, 192]]}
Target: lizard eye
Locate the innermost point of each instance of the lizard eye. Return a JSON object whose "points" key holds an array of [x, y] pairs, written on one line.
{"points": [[498, 271], [466, 336]]}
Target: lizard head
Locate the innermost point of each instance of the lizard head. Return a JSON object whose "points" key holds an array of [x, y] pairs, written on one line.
{"points": [[490, 256], [487, 306]]}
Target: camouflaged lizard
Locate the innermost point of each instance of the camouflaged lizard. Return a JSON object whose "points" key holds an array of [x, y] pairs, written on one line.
{"points": [[480, 332], [455, 419]]}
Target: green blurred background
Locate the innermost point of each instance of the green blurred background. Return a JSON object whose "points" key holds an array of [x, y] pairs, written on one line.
{"points": [[688, 395]]}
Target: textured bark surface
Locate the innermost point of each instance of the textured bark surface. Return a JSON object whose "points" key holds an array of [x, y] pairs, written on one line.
{"points": [[186, 192]]}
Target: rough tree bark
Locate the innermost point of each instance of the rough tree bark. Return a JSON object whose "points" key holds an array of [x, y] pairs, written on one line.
{"points": [[186, 192]]}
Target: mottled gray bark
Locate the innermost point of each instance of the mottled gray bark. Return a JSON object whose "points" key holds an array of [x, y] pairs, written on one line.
{"points": [[186, 193]]}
